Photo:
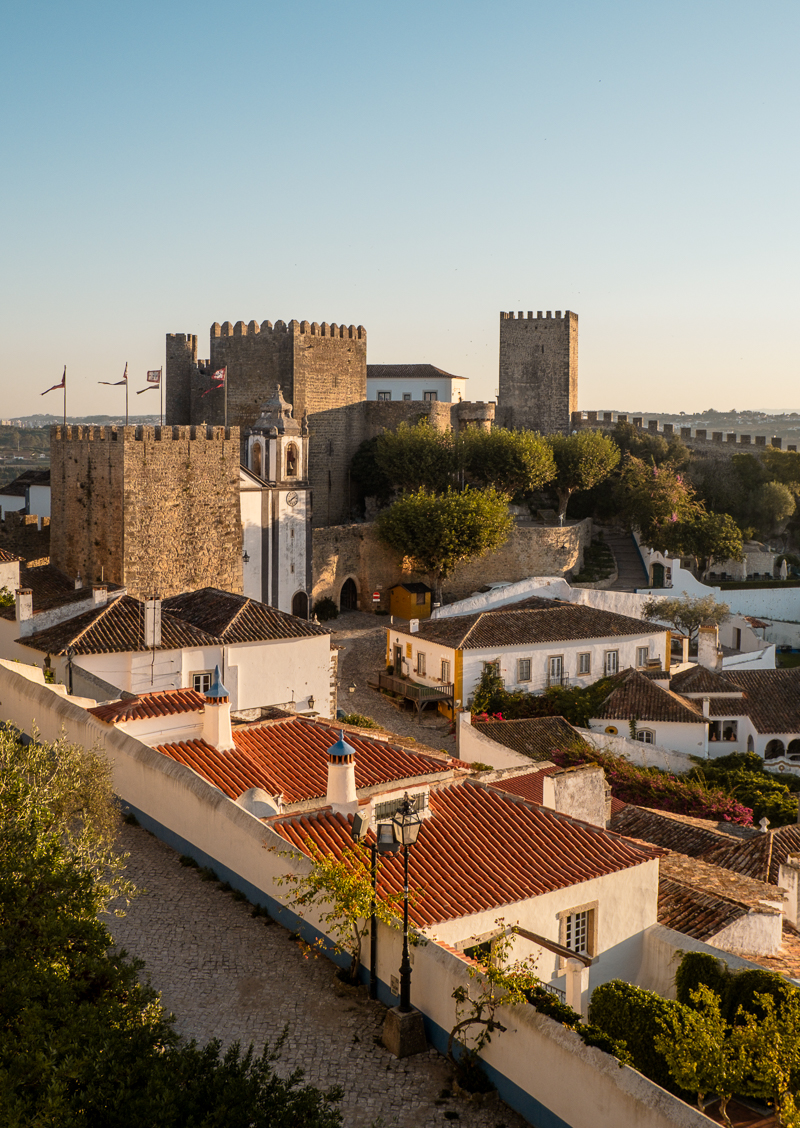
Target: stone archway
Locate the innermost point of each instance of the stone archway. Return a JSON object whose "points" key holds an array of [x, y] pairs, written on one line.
{"points": [[774, 749], [348, 596], [300, 605]]}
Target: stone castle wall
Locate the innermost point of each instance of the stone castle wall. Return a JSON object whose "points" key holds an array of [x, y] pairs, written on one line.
{"points": [[719, 443], [538, 387], [387, 415], [153, 508], [354, 552], [21, 535]]}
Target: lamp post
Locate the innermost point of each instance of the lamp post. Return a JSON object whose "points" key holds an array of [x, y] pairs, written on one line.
{"points": [[406, 824], [384, 843]]}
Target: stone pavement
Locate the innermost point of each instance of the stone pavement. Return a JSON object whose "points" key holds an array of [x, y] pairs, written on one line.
{"points": [[363, 637], [227, 975]]}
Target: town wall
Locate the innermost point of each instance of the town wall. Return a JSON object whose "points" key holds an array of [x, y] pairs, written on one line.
{"points": [[538, 386], [153, 508], [383, 415], [719, 444], [21, 535], [354, 552]]}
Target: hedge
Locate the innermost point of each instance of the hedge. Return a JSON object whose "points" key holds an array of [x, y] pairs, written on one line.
{"points": [[630, 1014]]}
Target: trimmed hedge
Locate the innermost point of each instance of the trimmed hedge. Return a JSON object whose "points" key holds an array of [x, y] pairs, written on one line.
{"points": [[697, 969], [547, 1003], [630, 1014], [736, 989]]}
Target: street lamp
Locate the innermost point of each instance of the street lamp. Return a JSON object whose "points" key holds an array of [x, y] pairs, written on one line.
{"points": [[384, 843], [406, 825]]}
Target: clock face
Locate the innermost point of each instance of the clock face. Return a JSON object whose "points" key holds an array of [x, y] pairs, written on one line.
{"points": [[292, 498]]}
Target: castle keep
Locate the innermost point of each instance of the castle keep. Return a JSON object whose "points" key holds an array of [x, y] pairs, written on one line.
{"points": [[538, 387], [153, 508]]}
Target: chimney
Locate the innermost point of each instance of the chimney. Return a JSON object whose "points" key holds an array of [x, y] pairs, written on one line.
{"points": [[100, 595], [579, 792], [341, 793], [152, 623], [708, 651], [413, 626], [78, 582], [24, 613], [217, 716]]}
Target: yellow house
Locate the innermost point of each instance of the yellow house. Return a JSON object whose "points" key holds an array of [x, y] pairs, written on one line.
{"points": [[410, 601]]}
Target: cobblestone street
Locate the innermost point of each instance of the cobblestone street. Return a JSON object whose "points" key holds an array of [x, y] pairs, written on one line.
{"points": [[226, 974], [363, 637]]}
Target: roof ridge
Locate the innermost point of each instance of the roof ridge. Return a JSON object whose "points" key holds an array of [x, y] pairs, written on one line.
{"points": [[247, 601], [97, 619]]}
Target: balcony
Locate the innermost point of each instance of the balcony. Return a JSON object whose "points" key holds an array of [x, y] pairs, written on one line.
{"points": [[420, 695]]}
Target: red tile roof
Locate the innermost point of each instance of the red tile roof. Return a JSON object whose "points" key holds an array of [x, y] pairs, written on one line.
{"points": [[529, 786], [536, 737], [635, 695], [532, 621], [51, 588], [8, 557], [480, 850], [693, 912], [289, 758], [159, 703], [409, 372]]}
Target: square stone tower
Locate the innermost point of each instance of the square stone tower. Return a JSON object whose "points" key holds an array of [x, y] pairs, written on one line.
{"points": [[538, 387]]}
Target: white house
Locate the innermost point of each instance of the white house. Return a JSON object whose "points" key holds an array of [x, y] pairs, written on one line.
{"points": [[408, 382], [267, 658], [9, 571], [533, 645], [30, 492]]}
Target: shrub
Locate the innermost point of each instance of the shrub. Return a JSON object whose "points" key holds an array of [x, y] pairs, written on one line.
{"points": [[743, 987], [326, 609], [630, 1014], [696, 969], [358, 720]]}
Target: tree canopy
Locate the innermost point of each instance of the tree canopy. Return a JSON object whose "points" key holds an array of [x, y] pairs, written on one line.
{"points": [[686, 612], [514, 462], [436, 534], [583, 460], [415, 457]]}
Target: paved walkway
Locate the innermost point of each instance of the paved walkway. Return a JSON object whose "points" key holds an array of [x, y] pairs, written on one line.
{"points": [[226, 974], [632, 574], [363, 637]]}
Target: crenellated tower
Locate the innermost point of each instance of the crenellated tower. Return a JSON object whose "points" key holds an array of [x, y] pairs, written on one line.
{"points": [[538, 387]]}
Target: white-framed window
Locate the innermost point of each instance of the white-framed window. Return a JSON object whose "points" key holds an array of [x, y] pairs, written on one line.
{"points": [[523, 669], [578, 929], [611, 662], [555, 669], [201, 681], [420, 662], [642, 655], [384, 396], [585, 663], [430, 397], [445, 671], [647, 736]]}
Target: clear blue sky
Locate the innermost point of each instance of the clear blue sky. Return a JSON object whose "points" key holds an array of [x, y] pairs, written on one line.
{"points": [[415, 168]]}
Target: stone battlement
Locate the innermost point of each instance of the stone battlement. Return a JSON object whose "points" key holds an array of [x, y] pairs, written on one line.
{"points": [[295, 328], [608, 419], [539, 316], [141, 433]]}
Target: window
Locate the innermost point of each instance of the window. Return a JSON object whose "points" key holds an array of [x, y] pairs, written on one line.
{"points": [[611, 662], [406, 397], [445, 678], [578, 929], [421, 598], [201, 683], [291, 461], [723, 730], [642, 655], [737, 638], [647, 736], [524, 670], [430, 397], [420, 662], [384, 396], [492, 668], [584, 664], [555, 669]]}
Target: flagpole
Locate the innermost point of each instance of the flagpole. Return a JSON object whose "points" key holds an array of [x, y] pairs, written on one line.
{"points": [[161, 393], [126, 393], [65, 395], [226, 395]]}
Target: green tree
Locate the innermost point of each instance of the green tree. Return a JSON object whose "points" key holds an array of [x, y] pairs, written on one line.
{"points": [[773, 503], [711, 538], [413, 458], [342, 888], [650, 447], [514, 462], [659, 502], [783, 466], [686, 612], [583, 460], [436, 534]]}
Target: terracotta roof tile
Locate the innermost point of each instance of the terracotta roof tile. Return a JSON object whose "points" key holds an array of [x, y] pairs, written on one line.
{"points": [[8, 557], [699, 679], [535, 737], [637, 696], [51, 588], [532, 621], [480, 850], [529, 786], [290, 758], [693, 912], [408, 372], [235, 618], [772, 698], [22, 483], [114, 628], [698, 873], [159, 703], [681, 833]]}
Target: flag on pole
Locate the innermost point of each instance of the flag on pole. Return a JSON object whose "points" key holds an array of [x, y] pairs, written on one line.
{"points": [[153, 380], [63, 383], [116, 383], [219, 377]]}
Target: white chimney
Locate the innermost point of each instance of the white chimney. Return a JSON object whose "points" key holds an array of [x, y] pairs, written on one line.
{"points": [[78, 582], [100, 595], [341, 793], [217, 729], [708, 650], [413, 626], [579, 792], [24, 612], [152, 622]]}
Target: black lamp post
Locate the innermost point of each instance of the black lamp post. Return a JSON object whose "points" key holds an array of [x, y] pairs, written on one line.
{"points": [[406, 824], [383, 844]]}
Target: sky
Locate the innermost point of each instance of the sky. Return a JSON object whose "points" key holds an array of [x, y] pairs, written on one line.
{"points": [[414, 168]]}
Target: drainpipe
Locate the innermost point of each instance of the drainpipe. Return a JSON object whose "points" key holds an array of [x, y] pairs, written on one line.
{"points": [[706, 718]]}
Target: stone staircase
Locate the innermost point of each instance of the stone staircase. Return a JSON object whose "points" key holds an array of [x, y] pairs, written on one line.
{"points": [[629, 563]]}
